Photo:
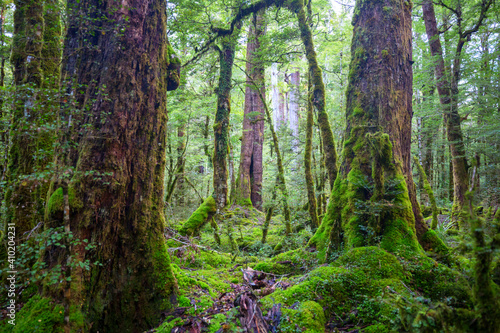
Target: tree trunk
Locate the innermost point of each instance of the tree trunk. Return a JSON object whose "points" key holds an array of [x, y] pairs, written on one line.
{"points": [[250, 171], [221, 126], [116, 115], [293, 108], [372, 199], [23, 195], [311, 195], [318, 98], [447, 85], [275, 98]]}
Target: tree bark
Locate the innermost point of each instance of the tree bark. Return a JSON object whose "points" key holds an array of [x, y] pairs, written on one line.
{"points": [[311, 195], [221, 126], [115, 115], [293, 108], [23, 195], [318, 98], [447, 86], [250, 170], [373, 199]]}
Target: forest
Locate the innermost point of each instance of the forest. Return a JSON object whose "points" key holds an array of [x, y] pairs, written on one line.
{"points": [[250, 166]]}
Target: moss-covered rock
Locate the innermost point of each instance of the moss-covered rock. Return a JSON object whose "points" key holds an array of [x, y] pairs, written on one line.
{"points": [[309, 317]]}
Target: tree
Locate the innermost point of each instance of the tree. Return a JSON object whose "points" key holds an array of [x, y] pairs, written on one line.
{"points": [[249, 184], [116, 73], [371, 201], [447, 86], [24, 193]]}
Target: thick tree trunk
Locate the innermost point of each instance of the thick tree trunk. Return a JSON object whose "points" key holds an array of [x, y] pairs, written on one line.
{"points": [[116, 115], [221, 126], [250, 171], [23, 197], [373, 199]]}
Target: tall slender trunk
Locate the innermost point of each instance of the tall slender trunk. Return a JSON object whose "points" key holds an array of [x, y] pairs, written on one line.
{"points": [[293, 108], [252, 143], [311, 195], [447, 86], [318, 98], [221, 127]]}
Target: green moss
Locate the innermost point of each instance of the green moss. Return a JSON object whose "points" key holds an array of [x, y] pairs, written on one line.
{"points": [[372, 260], [168, 325], [162, 274], [40, 315], [206, 210], [55, 205], [291, 262], [434, 243], [309, 317]]}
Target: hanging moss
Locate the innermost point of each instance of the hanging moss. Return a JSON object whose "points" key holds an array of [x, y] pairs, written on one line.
{"points": [[201, 216]]}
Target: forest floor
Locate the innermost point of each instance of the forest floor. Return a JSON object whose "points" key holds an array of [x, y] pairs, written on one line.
{"points": [[223, 288]]}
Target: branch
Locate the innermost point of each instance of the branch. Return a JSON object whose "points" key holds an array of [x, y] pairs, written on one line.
{"points": [[242, 13]]}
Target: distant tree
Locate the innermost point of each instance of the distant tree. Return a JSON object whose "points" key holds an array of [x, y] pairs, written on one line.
{"points": [[249, 187]]}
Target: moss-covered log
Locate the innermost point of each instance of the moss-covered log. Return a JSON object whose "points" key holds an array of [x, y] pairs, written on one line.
{"points": [[430, 193], [202, 215], [371, 201], [116, 83]]}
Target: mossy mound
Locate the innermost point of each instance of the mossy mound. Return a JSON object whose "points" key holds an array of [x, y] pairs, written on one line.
{"points": [[374, 261], [309, 317], [372, 288], [292, 262], [39, 315]]}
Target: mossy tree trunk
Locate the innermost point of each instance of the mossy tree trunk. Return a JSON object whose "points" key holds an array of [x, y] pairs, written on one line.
{"points": [[430, 193], [221, 127], [116, 115], [318, 96], [23, 197], [371, 201], [249, 183], [311, 195]]}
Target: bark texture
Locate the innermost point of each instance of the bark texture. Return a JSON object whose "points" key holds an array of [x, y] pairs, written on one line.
{"points": [[24, 206], [373, 199], [221, 126], [450, 110], [311, 195], [318, 97], [117, 73], [249, 184]]}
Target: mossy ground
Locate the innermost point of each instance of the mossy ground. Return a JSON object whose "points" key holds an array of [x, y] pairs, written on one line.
{"points": [[367, 288], [371, 288]]}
